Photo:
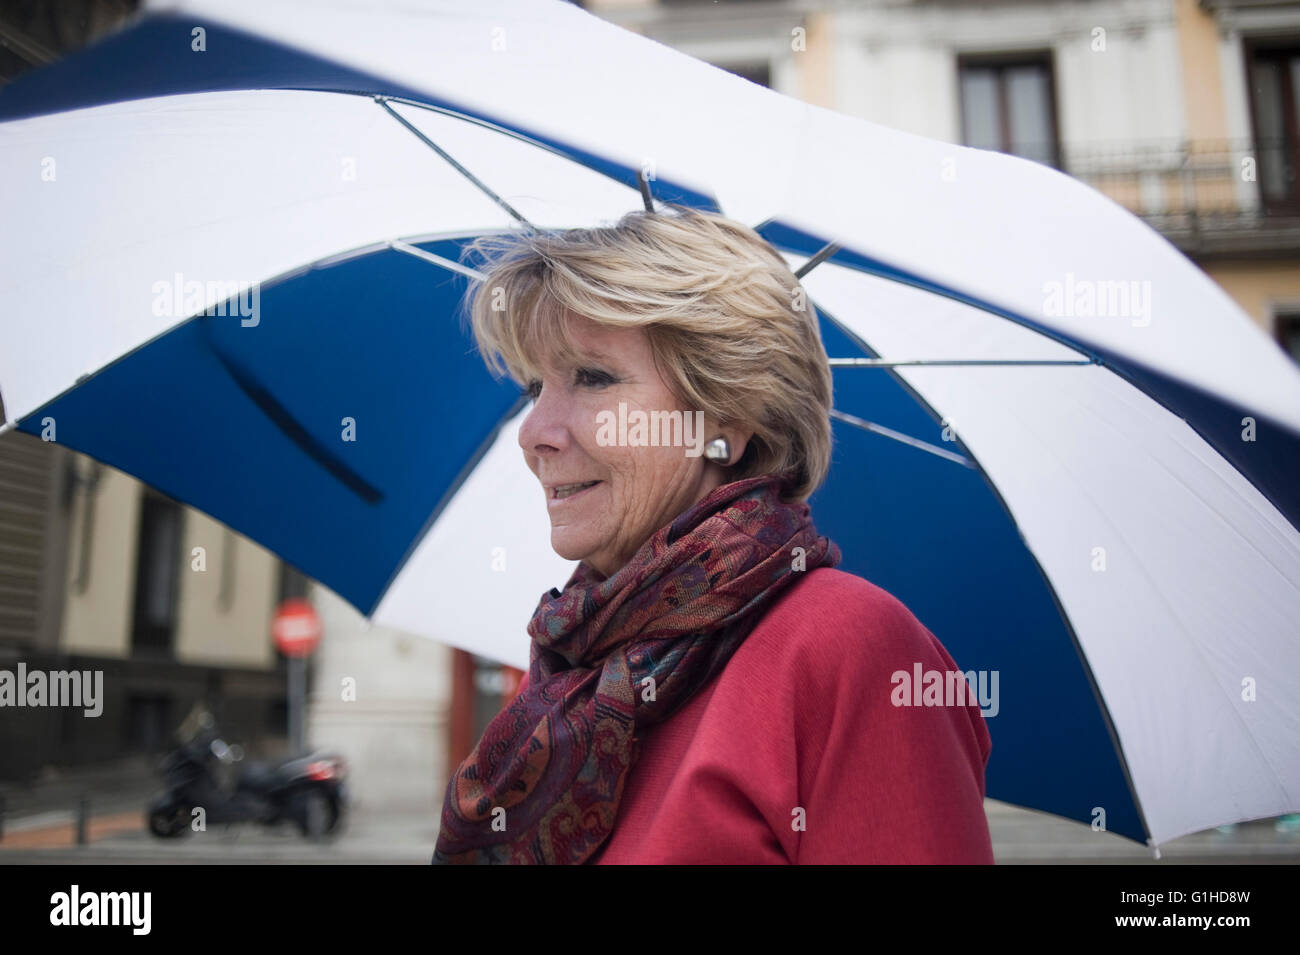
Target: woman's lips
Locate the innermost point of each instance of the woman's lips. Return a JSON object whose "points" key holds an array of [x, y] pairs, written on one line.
{"points": [[555, 500]]}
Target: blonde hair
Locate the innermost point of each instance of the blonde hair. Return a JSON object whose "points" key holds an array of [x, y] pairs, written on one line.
{"points": [[732, 332]]}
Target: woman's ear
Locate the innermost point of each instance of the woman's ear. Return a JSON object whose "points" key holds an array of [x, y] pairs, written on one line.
{"points": [[737, 441]]}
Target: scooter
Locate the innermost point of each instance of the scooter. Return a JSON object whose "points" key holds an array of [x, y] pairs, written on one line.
{"points": [[204, 772]]}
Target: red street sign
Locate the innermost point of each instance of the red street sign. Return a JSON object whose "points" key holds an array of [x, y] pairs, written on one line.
{"points": [[296, 628]]}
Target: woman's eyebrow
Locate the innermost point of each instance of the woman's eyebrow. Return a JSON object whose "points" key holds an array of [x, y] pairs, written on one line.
{"points": [[578, 357], [595, 356]]}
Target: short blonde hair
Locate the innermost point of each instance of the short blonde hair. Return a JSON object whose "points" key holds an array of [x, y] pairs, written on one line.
{"points": [[732, 332]]}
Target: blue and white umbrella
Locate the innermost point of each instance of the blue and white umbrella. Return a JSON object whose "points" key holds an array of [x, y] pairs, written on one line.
{"points": [[1058, 442]]}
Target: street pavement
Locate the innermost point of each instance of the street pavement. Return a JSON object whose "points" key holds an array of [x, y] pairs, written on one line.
{"points": [[39, 827], [1024, 836]]}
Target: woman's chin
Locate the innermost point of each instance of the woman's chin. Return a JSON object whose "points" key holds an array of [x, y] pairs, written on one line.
{"points": [[568, 545]]}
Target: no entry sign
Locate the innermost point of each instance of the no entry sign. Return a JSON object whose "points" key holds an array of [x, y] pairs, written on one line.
{"points": [[296, 628]]}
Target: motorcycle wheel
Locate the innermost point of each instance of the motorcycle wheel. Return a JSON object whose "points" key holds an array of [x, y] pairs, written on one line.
{"points": [[169, 821], [316, 815]]}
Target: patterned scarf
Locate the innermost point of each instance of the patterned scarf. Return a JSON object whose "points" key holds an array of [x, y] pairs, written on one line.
{"points": [[611, 657]]}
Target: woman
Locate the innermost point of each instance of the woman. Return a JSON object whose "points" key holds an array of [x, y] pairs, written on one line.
{"points": [[707, 687]]}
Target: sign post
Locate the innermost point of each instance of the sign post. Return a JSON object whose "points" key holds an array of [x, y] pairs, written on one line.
{"points": [[296, 629]]}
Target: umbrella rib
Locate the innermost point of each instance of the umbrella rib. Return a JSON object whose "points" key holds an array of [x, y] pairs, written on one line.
{"points": [[880, 429], [400, 246], [484, 187], [283, 419]]}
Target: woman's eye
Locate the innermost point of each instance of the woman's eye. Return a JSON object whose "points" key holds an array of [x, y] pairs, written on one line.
{"points": [[582, 377], [594, 377]]}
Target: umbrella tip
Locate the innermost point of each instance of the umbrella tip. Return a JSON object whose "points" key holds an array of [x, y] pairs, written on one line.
{"points": [[644, 185], [822, 255]]}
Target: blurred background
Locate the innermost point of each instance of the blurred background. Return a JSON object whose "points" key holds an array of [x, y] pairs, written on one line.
{"points": [[1187, 112]]}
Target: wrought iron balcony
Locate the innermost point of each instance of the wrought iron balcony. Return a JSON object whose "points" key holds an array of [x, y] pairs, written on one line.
{"points": [[1213, 199]]}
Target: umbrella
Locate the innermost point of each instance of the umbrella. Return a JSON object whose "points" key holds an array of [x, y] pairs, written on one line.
{"points": [[233, 269]]}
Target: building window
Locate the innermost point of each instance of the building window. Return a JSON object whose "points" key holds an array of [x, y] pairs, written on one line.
{"points": [[277, 717], [1286, 325], [1008, 105], [1275, 112], [157, 573], [148, 722]]}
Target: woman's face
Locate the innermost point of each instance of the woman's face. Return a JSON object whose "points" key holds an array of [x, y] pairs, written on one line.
{"points": [[634, 491]]}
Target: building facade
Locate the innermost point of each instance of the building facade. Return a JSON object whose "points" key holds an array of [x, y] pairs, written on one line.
{"points": [[1186, 112], [99, 572]]}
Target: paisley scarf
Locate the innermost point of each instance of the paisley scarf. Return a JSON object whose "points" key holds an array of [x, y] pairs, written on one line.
{"points": [[611, 657]]}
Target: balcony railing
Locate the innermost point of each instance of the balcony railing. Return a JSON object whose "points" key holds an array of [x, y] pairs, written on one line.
{"points": [[1209, 197]]}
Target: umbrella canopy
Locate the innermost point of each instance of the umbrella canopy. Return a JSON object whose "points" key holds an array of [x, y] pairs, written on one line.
{"points": [[233, 270]]}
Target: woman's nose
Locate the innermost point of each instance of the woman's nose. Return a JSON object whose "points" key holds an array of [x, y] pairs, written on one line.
{"points": [[545, 428]]}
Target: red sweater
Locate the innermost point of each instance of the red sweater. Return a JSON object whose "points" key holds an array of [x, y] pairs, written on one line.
{"points": [[796, 753]]}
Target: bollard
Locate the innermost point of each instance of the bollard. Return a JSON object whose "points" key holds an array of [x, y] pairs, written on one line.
{"points": [[83, 816]]}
